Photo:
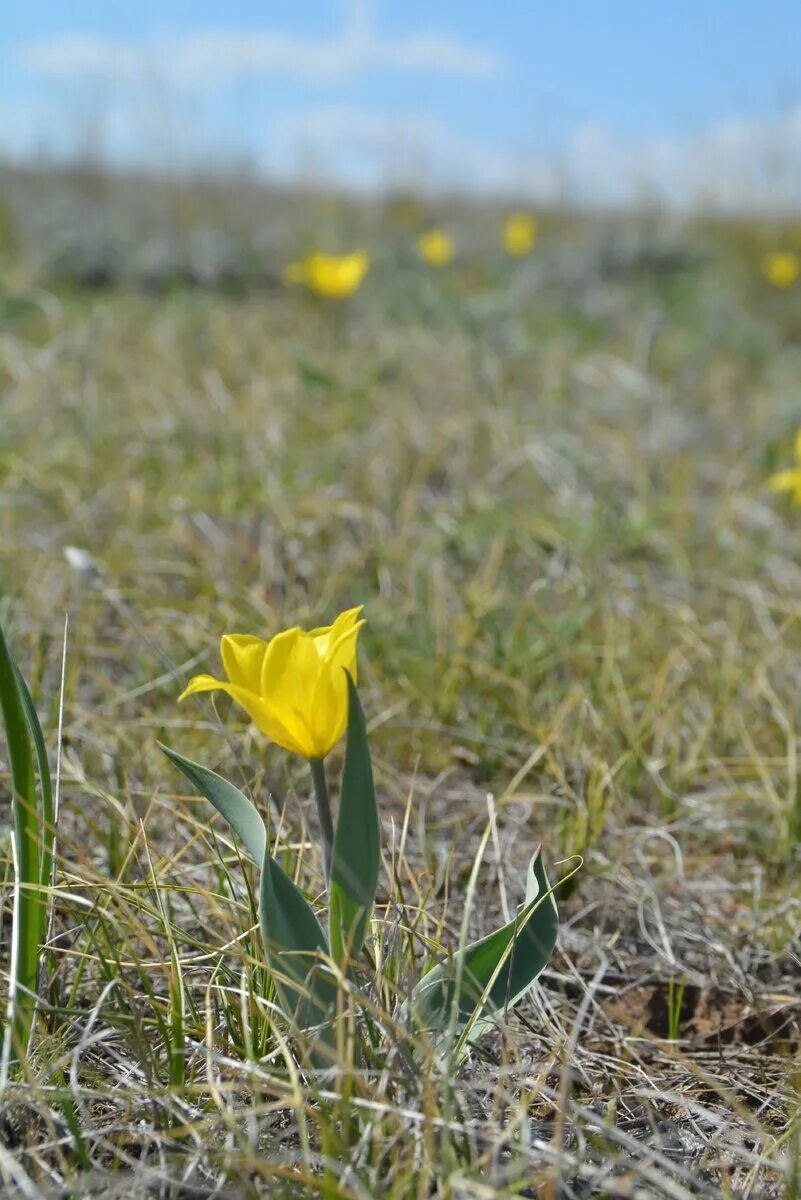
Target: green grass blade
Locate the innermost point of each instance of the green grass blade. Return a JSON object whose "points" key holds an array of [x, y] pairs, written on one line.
{"points": [[492, 974], [238, 811], [29, 906], [357, 843]]}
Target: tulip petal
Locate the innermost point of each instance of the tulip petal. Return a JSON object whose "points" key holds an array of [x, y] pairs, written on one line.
{"points": [[343, 651], [207, 683], [259, 712], [200, 683], [321, 637], [288, 673], [306, 670], [277, 658], [329, 706], [328, 635], [243, 657]]}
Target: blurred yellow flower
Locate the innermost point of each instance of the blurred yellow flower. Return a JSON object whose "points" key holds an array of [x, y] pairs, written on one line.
{"points": [[781, 268], [435, 248], [335, 276], [519, 234], [292, 687], [789, 480]]}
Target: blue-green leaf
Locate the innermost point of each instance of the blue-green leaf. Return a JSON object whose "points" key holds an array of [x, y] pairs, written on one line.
{"points": [[492, 974], [47, 831], [296, 946], [293, 938], [238, 811], [30, 912], [357, 843]]}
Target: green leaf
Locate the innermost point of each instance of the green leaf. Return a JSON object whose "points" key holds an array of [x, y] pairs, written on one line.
{"points": [[296, 946], [47, 831], [357, 843], [238, 811], [293, 938], [30, 912], [490, 976]]}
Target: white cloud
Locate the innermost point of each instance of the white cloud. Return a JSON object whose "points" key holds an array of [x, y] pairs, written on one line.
{"points": [[733, 165], [219, 57], [730, 166], [355, 146]]}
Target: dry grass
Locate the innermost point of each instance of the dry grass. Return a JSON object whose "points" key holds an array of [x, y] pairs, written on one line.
{"points": [[546, 483]]}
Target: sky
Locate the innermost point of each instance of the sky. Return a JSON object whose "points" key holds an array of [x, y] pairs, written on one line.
{"points": [[602, 101]]}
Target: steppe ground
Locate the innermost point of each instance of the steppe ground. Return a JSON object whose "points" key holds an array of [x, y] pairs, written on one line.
{"points": [[546, 481]]}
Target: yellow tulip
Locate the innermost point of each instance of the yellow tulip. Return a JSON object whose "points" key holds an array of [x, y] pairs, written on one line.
{"points": [[519, 234], [436, 248], [789, 480], [292, 687], [335, 276], [782, 268]]}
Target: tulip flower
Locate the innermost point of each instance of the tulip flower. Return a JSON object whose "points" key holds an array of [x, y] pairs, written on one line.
{"points": [[519, 234], [782, 268], [292, 687], [436, 248], [789, 480], [334, 276]]}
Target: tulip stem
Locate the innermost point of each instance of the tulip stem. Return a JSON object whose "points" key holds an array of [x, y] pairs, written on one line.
{"points": [[323, 811]]}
